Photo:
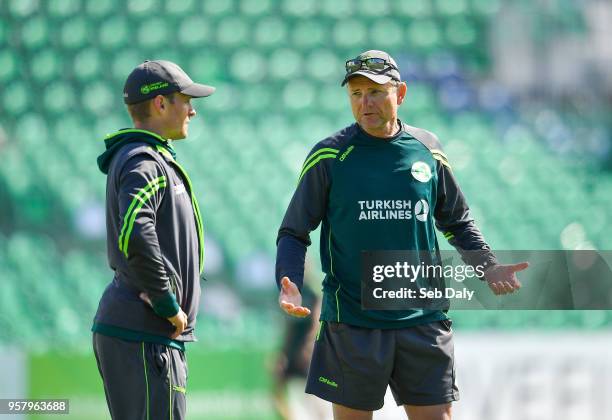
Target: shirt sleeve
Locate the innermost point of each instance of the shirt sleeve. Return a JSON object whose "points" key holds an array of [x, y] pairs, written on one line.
{"points": [[453, 219], [142, 185], [304, 214]]}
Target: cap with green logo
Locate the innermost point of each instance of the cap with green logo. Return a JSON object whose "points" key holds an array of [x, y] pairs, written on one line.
{"points": [[376, 65], [160, 77]]}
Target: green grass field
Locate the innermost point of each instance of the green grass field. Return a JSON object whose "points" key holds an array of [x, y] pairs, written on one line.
{"points": [[224, 384]]}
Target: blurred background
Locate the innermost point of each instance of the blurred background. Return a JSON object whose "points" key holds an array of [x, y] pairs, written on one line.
{"points": [[519, 92]]}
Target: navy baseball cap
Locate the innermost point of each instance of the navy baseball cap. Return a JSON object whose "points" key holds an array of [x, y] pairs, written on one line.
{"points": [[160, 77], [376, 65]]}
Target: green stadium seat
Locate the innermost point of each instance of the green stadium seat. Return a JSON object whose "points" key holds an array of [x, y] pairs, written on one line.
{"points": [[247, 65], [70, 325], [181, 8], [451, 7], [34, 33], [22, 8], [109, 123], [73, 195], [299, 95], [238, 133], [324, 65], [274, 130], [240, 243], [476, 61], [32, 126], [194, 31], [313, 127], [461, 32], [386, 34], [9, 67], [255, 7], [216, 211], [301, 8], [140, 8], [56, 176], [87, 64], [350, 33], [421, 97], [232, 32], [76, 266], [485, 8], [336, 8], [333, 98], [45, 66], [270, 32], [16, 98], [62, 8], [218, 7], [366, 8], [30, 253], [123, 62], [225, 133], [154, 33], [206, 66], [309, 33], [433, 121], [211, 206], [9, 307], [100, 98], [225, 98], [71, 130], [414, 9], [113, 32], [59, 98], [75, 32], [256, 98], [285, 64], [16, 178], [99, 8], [424, 34], [473, 126]]}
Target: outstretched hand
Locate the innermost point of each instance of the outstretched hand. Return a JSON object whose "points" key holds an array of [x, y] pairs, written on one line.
{"points": [[290, 299], [502, 277]]}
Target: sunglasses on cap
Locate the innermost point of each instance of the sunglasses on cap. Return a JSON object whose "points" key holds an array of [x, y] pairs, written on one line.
{"points": [[373, 64]]}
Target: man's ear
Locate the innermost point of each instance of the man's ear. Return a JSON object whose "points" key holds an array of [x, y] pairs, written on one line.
{"points": [[158, 104], [401, 92]]}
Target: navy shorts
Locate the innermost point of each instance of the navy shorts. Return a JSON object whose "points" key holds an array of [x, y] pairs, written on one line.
{"points": [[352, 366]]}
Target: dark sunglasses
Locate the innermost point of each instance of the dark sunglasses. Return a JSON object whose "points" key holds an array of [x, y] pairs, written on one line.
{"points": [[377, 65]]}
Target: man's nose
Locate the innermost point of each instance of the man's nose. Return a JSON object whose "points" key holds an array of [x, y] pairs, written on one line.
{"points": [[192, 112]]}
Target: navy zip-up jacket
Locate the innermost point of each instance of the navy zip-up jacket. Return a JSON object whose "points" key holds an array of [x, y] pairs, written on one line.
{"points": [[155, 240]]}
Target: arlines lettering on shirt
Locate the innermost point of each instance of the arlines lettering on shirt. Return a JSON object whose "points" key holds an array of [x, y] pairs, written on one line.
{"points": [[392, 210]]}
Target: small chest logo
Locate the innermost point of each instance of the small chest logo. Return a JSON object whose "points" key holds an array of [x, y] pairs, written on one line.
{"points": [[179, 189], [421, 171]]}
